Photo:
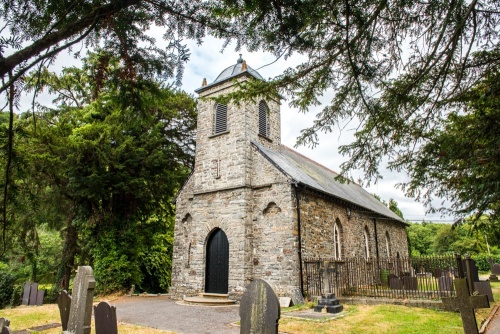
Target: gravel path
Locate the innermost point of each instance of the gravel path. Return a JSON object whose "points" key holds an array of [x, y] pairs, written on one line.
{"points": [[166, 314]]}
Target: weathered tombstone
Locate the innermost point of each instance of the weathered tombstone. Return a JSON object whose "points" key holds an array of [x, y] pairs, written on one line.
{"points": [[105, 319], [465, 303], [496, 269], [285, 301], [410, 283], [64, 303], [39, 297], [4, 326], [33, 292], [484, 288], [395, 283], [474, 272], [26, 293], [493, 277], [80, 314], [259, 309], [445, 283], [328, 304]]}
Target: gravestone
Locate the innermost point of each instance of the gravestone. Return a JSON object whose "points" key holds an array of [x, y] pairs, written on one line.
{"points": [[259, 309], [395, 283], [496, 269], [4, 326], [26, 293], [328, 304], [64, 303], [410, 283], [484, 288], [39, 297], [33, 292], [493, 277], [80, 314], [465, 303], [445, 283], [474, 272], [105, 319], [285, 301]]}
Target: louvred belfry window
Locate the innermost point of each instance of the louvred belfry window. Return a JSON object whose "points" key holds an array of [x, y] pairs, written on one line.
{"points": [[220, 119], [263, 119]]}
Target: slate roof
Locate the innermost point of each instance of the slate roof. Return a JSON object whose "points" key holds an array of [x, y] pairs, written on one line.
{"points": [[311, 174]]}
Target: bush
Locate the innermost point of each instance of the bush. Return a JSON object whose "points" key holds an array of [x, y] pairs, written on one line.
{"points": [[17, 295], [6, 287], [482, 261], [51, 295]]}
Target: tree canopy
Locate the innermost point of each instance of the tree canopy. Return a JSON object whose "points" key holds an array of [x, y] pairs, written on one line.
{"points": [[106, 162], [399, 69]]}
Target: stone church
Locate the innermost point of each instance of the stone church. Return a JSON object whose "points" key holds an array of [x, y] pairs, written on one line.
{"points": [[254, 208]]}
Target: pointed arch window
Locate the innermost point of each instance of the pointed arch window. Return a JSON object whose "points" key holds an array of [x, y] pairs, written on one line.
{"points": [[337, 240], [388, 244], [263, 119], [220, 119], [367, 243]]}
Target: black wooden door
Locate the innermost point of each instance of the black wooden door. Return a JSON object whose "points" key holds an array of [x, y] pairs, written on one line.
{"points": [[217, 269]]}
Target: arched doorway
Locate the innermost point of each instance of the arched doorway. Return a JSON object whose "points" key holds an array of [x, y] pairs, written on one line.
{"points": [[217, 264]]}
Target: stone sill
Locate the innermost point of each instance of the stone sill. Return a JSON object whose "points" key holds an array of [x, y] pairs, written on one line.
{"points": [[218, 134], [266, 138]]}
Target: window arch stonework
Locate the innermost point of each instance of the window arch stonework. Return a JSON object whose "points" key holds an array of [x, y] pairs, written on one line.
{"points": [[337, 240]]}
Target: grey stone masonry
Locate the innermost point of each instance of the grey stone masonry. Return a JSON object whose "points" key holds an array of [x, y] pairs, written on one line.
{"points": [[236, 188]]}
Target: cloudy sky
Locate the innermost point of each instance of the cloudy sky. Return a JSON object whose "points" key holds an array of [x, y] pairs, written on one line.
{"points": [[207, 61]]}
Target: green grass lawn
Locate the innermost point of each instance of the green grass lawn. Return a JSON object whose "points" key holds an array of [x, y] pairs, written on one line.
{"points": [[373, 319]]}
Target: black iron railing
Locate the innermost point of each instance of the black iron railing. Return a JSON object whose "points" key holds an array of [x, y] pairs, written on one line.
{"points": [[413, 277]]}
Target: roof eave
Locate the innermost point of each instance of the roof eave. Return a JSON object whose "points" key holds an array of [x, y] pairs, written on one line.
{"points": [[246, 72]]}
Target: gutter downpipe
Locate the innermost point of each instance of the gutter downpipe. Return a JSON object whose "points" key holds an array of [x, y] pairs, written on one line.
{"points": [[299, 251]]}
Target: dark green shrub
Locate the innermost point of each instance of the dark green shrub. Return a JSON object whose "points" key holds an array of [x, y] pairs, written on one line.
{"points": [[482, 261], [6, 287], [51, 295], [17, 295]]}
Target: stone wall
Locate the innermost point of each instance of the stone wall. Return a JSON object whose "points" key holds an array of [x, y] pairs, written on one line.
{"points": [[318, 216]]}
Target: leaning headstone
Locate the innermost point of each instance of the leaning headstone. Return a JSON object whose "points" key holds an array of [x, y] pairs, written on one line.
{"points": [[285, 301], [34, 291], [259, 309], [4, 326], [26, 293], [39, 297], [64, 303], [410, 283], [466, 304], [105, 319], [80, 314], [474, 271], [445, 283], [484, 288]]}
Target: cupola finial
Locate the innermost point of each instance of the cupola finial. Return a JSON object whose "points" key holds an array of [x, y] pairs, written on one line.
{"points": [[239, 61]]}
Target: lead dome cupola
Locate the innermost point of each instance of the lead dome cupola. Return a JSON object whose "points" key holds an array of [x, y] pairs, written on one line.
{"points": [[233, 71]]}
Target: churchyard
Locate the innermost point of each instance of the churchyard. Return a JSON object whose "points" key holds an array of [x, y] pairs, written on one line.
{"points": [[355, 319]]}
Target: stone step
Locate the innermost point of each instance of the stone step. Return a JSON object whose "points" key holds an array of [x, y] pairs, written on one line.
{"points": [[214, 295], [208, 301]]}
